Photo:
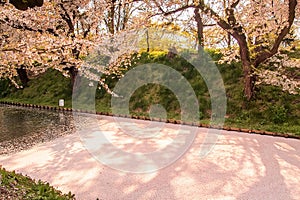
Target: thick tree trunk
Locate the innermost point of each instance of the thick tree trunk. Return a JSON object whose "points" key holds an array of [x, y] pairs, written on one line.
{"points": [[249, 80], [73, 72], [22, 73], [248, 67]]}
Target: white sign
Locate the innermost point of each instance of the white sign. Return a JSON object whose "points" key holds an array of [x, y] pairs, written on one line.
{"points": [[61, 102]]}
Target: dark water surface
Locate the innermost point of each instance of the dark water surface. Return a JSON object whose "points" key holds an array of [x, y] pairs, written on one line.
{"points": [[16, 122]]}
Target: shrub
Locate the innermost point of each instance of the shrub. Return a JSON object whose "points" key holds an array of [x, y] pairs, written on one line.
{"points": [[278, 114]]}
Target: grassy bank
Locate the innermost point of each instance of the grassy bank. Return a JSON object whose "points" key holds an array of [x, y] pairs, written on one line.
{"points": [[270, 110], [17, 186]]}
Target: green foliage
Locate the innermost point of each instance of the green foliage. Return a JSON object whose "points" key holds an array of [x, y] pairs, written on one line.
{"points": [[26, 188], [215, 54], [46, 89], [6, 87], [278, 114], [43, 191], [147, 95]]}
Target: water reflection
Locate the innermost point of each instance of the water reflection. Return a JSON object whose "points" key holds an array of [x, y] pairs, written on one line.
{"points": [[16, 122]]}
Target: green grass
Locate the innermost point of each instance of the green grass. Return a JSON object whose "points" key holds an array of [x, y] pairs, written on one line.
{"points": [[46, 89], [270, 110], [22, 187]]}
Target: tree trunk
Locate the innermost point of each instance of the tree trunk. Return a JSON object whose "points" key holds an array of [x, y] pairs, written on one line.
{"points": [[111, 17], [249, 78], [225, 4], [200, 26], [228, 40], [147, 40], [22, 73], [249, 81], [73, 71]]}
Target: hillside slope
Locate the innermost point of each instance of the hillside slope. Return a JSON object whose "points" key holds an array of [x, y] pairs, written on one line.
{"points": [[271, 109]]}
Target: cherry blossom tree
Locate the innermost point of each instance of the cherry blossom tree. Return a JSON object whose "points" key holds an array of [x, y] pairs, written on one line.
{"points": [[258, 27], [259, 33], [58, 35]]}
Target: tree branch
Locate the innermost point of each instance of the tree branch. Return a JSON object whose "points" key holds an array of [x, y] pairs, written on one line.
{"points": [[23, 26], [159, 7], [234, 4], [267, 54], [24, 5], [178, 10], [66, 17]]}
